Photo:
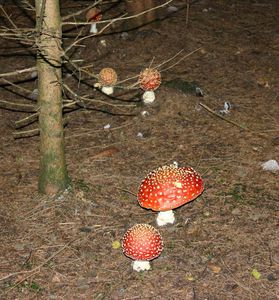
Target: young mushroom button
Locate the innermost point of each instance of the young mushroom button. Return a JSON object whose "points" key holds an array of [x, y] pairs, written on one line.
{"points": [[142, 243], [149, 80], [107, 80], [167, 188]]}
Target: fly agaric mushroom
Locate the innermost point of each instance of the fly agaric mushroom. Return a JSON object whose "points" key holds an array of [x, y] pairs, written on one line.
{"points": [[167, 188], [93, 15], [107, 80], [149, 80], [142, 243]]}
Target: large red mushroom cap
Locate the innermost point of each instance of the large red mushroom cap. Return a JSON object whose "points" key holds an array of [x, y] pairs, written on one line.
{"points": [[142, 242], [169, 187], [149, 79]]}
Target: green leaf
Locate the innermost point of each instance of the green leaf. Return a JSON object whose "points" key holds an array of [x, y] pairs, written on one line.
{"points": [[256, 274]]}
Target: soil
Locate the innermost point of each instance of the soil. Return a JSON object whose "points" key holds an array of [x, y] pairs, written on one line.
{"points": [[225, 243]]}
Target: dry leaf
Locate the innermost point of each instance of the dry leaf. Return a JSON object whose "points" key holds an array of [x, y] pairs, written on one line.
{"points": [[256, 274], [214, 268], [116, 244], [107, 152]]}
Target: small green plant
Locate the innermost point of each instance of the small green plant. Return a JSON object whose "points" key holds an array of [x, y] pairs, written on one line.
{"points": [[82, 185], [237, 192]]}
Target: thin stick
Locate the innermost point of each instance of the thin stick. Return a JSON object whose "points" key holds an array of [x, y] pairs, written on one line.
{"points": [[7, 16], [17, 86], [182, 58], [27, 120], [80, 11], [120, 18], [223, 118], [17, 72], [187, 13], [18, 106], [27, 133], [40, 265]]}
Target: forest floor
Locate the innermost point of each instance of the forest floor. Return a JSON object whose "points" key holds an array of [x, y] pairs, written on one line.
{"points": [[224, 244]]}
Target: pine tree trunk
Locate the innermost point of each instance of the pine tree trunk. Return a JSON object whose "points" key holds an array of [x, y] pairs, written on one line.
{"points": [[53, 171], [135, 7]]}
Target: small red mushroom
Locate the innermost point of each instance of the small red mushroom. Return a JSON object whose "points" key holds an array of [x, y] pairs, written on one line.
{"points": [[93, 15], [167, 188], [142, 243], [107, 80], [149, 80]]}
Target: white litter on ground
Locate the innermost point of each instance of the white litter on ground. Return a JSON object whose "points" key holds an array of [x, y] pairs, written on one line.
{"points": [[270, 165], [107, 126], [226, 109]]}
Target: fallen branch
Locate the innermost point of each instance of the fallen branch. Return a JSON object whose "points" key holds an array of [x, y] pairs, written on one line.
{"points": [[223, 118], [34, 270], [232, 122]]}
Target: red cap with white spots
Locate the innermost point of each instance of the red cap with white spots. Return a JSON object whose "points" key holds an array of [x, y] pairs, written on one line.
{"points": [[149, 79], [169, 187], [142, 242]]}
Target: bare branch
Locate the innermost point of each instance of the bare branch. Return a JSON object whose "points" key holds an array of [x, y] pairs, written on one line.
{"points": [[80, 11], [120, 18], [17, 72], [178, 61], [81, 99], [26, 133], [7, 16], [18, 106], [26, 121], [17, 86]]}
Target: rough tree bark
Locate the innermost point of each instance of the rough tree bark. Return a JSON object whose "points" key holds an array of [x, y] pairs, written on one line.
{"points": [[134, 7], [53, 171]]}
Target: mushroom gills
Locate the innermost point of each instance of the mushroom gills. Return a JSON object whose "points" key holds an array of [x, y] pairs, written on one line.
{"points": [[141, 265], [165, 217]]}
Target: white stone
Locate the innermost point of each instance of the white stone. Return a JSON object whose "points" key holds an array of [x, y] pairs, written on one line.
{"points": [[107, 126], [270, 165]]}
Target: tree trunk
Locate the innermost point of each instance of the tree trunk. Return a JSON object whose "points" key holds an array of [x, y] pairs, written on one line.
{"points": [[134, 7], [53, 171]]}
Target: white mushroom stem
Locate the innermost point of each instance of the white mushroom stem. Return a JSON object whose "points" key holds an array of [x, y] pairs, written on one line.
{"points": [[141, 265], [165, 217], [148, 97], [93, 28], [107, 90]]}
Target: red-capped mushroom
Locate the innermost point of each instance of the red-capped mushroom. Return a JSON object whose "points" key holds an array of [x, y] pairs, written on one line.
{"points": [[107, 80], [93, 15], [149, 81], [142, 243], [167, 188]]}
